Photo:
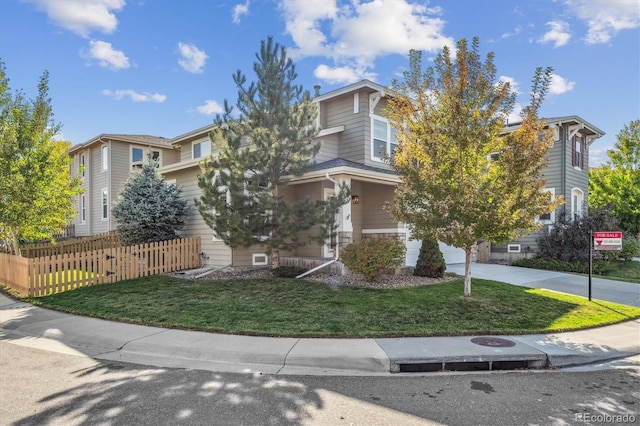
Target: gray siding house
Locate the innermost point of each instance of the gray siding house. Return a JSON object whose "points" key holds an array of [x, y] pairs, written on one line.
{"points": [[567, 175], [104, 164], [355, 137]]}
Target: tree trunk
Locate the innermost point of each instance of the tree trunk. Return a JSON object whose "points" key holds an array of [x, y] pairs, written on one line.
{"points": [[275, 258], [467, 272]]}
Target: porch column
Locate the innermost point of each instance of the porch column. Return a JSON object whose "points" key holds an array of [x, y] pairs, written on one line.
{"points": [[345, 225]]}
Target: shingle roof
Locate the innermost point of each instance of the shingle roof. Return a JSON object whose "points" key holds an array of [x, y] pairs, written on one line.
{"points": [[341, 162]]}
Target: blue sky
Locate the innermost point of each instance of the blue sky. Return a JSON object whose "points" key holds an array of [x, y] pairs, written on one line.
{"points": [[164, 67]]}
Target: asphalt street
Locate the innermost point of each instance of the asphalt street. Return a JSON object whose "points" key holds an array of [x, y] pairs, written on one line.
{"points": [[40, 387]]}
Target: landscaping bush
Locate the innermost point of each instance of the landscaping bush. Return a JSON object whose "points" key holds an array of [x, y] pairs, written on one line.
{"points": [[569, 238], [430, 261], [372, 256], [288, 271], [552, 264]]}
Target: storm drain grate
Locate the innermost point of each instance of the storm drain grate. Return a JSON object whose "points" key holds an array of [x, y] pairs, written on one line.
{"points": [[431, 367]]}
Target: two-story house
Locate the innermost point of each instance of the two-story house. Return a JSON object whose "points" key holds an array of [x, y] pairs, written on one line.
{"points": [[104, 164], [355, 138], [567, 175]]}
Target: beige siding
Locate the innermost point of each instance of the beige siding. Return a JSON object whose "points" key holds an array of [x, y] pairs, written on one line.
{"points": [[314, 192], [215, 253], [340, 112], [328, 148], [372, 200], [99, 180]]}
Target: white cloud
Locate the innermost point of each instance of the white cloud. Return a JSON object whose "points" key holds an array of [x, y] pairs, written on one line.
{"points": [[558, 34], [357, 33], [512, 82], [515, 115], [210, 107], [343, 75], [192, 59], [82, 16], [239, 10], [106, 55], [606, 18], [135, 96], [515, 32], [560, 85], [598, 157]]}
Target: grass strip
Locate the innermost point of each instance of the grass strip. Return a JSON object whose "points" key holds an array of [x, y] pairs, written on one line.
{"points": [[287, 307]]}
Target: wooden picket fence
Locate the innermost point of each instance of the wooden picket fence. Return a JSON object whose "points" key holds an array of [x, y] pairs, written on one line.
{"points": [[41, 276], [90, 243]]}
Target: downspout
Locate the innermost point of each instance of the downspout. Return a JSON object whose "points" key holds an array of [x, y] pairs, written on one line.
{"points": [[336, 251]]}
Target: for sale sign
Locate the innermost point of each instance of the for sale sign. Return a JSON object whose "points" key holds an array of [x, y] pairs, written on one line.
{"points": [[607, 240]]}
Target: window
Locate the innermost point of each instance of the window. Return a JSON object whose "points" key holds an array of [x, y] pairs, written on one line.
{"points": [[549, 217], [83, 209], [201, 149], [105, 204], [513, 248], [577, 201], [105, 157], [260, 259], [137, 158], [83, 165], [384, 141], [578, 151]]}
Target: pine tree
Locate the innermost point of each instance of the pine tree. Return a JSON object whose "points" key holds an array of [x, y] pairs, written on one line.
{"points": [[462, 179], [148, 209], [256, 154], [430, 261]]}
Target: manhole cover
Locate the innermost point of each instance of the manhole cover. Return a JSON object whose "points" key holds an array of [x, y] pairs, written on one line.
{"points": [[495, 342]]}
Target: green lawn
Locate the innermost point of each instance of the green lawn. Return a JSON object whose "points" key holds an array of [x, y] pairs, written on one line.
{"points": [[624, 271], [287, 307]]}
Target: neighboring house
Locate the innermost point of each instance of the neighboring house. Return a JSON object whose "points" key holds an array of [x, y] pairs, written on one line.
{"points": [[104, 164], [567, 175], [355, 138]]}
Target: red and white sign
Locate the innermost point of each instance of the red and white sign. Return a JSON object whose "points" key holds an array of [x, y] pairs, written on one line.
{"points": [[607, 240]]}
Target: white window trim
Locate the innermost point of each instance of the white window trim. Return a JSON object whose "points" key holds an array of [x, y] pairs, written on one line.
{"points": [[133, 164], [104, 157], [513, 248], [356, 103], [577, 209], [83, 209], [105, 191], [552, 218], [82, 166], [374, 156], [193, 149], [255, 262]]}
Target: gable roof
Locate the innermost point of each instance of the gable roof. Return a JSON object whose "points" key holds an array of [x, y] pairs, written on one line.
{"points": [[134, 139], [589, 129], [363, 84]]}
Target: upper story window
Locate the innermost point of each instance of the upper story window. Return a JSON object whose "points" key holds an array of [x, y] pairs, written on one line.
{"points": [[201, 149], [384, 140], [578, 147], [105, 157], [139, 155], [137, 158], [83, 164]]}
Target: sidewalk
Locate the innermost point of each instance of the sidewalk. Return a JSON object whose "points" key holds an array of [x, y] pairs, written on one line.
{"points": [[27, 325]]}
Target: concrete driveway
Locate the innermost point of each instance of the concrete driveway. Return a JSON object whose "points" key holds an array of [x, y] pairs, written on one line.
{"points": [[602, 289]]}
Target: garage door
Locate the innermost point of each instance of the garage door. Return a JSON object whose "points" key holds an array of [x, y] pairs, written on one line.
{"points": [[451, 254]]}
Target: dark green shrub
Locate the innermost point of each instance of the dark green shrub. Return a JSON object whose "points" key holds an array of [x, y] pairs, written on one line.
{"points": [[569, 238], [372, 256], [430, 261], [288, 271], [552, 264]]}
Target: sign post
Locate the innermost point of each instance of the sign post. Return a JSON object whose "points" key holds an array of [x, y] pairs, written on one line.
{"points": [[603, 241]]}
